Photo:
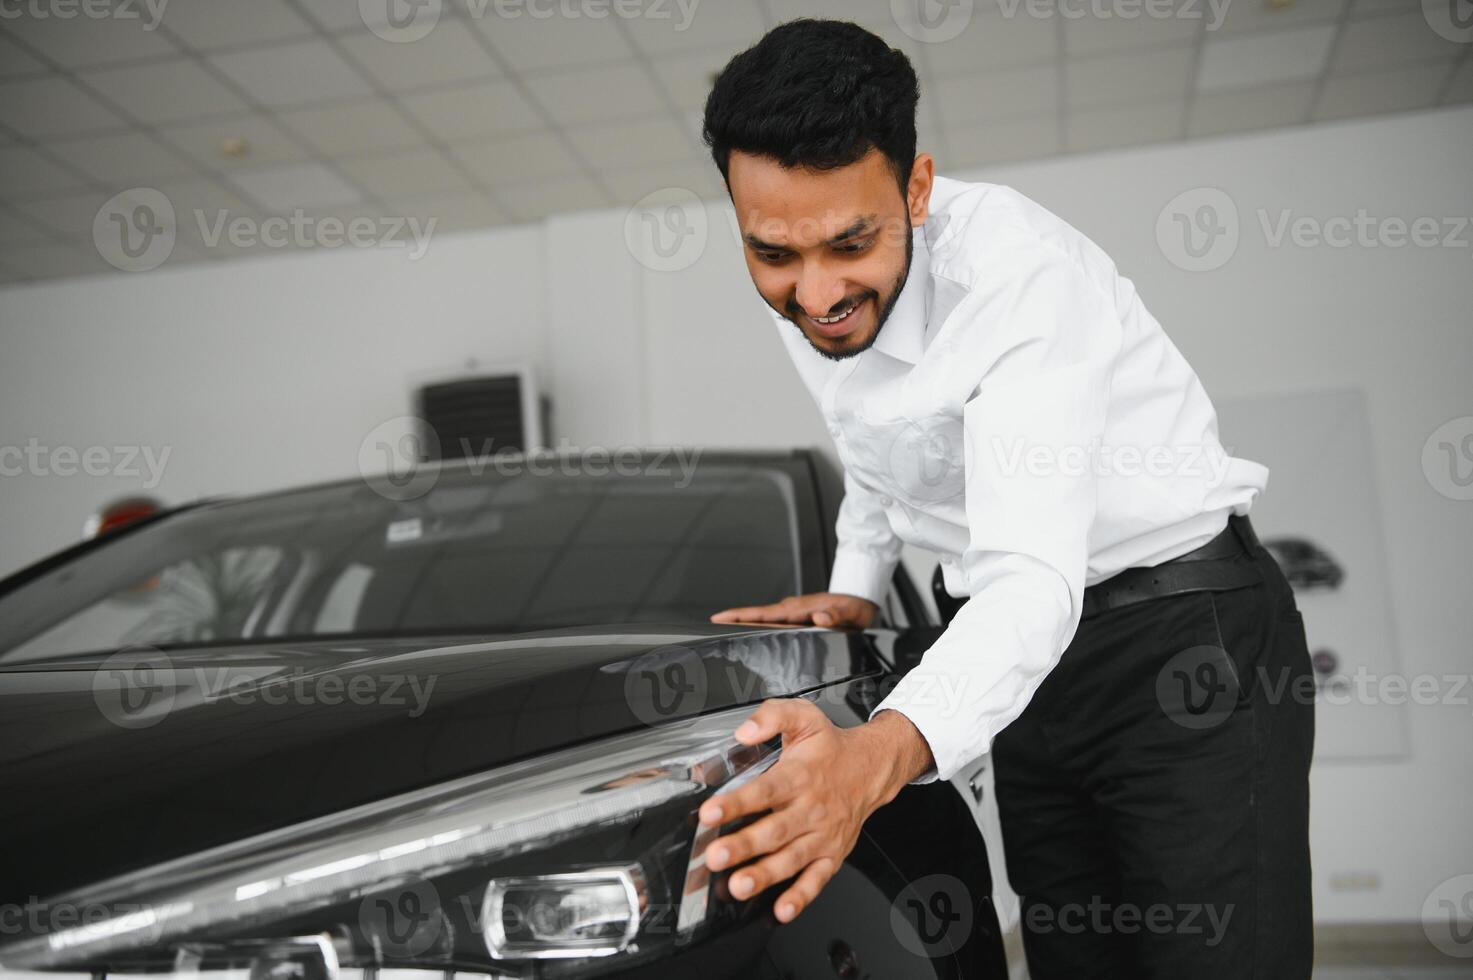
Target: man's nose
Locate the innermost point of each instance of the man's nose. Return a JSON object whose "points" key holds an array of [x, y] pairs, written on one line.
{"points": [[818, 291]]}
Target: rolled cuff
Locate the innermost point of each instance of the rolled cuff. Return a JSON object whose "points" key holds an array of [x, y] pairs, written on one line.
{"points": [[860, 573]]}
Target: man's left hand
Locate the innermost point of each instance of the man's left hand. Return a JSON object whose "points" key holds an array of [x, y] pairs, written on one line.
{"points": [[820, 791]]}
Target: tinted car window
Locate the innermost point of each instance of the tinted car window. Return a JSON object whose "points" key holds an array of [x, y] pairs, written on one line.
{"points": [[476, 553]]}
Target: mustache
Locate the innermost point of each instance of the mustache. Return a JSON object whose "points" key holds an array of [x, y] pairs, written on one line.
{"points": [[793, 310]]}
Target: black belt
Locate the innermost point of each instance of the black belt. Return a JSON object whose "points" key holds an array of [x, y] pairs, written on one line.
{"points": [[1225, 562]]}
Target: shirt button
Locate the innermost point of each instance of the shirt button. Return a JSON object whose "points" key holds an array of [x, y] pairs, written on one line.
{"points": [[886, 501], [834, 431], [947, 559]]}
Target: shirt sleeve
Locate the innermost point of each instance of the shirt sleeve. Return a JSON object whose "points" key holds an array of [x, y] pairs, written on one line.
{"points": [[1047, 338], [868, 547]]}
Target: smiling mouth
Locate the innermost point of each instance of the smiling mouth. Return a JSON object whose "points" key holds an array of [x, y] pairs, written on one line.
{"points": [[836, 325]]}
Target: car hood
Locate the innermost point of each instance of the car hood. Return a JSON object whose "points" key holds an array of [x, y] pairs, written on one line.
{"points": [[120, 762]]}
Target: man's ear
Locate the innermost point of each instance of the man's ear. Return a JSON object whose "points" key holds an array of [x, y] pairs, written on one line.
{"points": [[918, 190]]}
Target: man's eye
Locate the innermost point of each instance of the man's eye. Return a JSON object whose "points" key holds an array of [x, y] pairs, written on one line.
{"points": [[856, 246], [771, 256]]}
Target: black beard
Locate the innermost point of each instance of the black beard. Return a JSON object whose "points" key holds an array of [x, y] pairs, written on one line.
{"points": [[885, 312]]}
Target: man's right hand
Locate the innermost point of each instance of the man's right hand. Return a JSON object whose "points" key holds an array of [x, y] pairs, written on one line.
{"points": [[833, 609]]}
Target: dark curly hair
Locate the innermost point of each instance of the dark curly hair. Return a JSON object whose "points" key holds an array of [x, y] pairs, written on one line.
{"points": [[816, 94]]}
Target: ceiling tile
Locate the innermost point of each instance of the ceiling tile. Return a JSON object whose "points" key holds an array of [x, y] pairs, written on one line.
{"points": [[633, 143], [1130, 125], [1245, 60], [52, 106], [687, 78], [205, 214], [537, 44], [1263, 16], [451, 212], [631, 186], [14, 60], [1370, 8], [292, 74], [1461, 88], [406, 174], [285, 187], [485, 109], [669, 27], [18, 228], [539, 198], [448, 54], [865, 12], [1099, 35], [1398, 90], [1142, 76], [24, 171], [122, 159], [1251, 108], [203, 26], [337, 16], [70, 216], [265, 142], [165, 91], [350, 128], [994, 41], [1381, 42], [596, 94], [1000, 141], [528, 156], [89, 41], [1010, 93], [54, 260]]}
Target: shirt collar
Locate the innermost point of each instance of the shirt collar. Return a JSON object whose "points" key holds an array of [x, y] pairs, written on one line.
{"points": [[903, 335]]}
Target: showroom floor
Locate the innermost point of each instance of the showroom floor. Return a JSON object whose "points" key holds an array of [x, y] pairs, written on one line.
{"points": [[1339, 956]]}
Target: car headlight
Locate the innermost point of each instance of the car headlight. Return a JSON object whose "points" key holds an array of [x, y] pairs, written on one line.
{"points": [[582, 859]]}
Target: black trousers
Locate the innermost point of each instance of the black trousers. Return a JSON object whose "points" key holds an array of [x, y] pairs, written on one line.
{"points": [[1154, 795]]}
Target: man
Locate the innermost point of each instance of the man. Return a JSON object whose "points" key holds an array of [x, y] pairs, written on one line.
{"points": [[998, 393]]}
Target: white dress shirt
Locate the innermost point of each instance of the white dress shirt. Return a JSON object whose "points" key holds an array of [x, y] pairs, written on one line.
{"points": [[1023, 415]]}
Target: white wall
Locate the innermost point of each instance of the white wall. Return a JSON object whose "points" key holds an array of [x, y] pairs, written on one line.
{"points": [[250, 375], [270, 372]]}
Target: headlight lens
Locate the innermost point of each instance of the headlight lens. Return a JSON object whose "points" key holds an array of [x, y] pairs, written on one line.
{"points": [[587, 855]]}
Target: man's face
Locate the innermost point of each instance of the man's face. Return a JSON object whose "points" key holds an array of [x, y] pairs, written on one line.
{"points": [[829, 249]]}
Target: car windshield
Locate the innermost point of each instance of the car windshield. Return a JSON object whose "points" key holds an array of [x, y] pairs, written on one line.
{"points": [[476, 553]]}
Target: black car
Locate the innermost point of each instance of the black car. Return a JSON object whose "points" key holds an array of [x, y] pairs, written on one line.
{"points": [[460, 724]]}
